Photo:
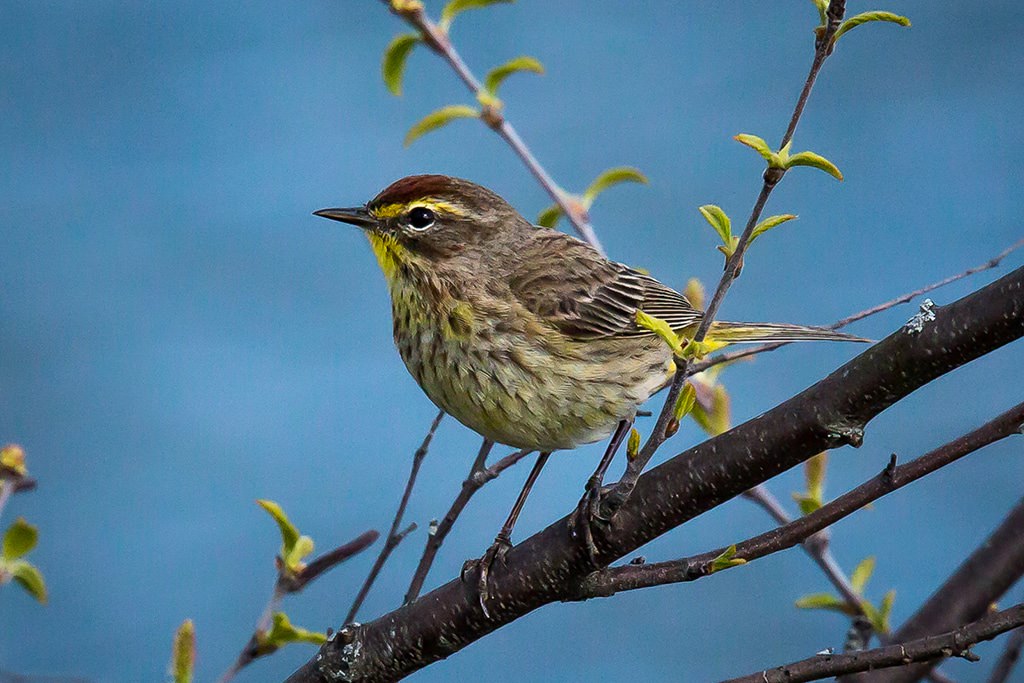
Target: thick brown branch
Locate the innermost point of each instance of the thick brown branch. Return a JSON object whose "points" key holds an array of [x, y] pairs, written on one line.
{"points": [[607, 582], [894, 657], [541, 569]]}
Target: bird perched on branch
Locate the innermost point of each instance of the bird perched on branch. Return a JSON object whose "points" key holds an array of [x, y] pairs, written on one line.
{"points": [[524, 334]]}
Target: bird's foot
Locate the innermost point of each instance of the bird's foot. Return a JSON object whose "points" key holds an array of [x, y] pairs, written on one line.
{"points": [[483, 567], [586, 515]]}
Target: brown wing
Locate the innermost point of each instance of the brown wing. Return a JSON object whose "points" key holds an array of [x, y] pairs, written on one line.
{"points": [[586, 296]]}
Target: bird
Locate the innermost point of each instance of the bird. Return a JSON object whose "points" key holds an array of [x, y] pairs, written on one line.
{"points": [[526, 335]]}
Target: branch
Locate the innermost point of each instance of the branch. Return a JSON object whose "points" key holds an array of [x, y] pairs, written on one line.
{"points": [[479, 475], [660, 433], [293, 583], [543, 568], [438, 40], [954, 643], [609, 581], [1003, 668], [966, 595], [394, 535]]}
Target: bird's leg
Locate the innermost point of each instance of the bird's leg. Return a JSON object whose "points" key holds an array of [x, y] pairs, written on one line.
{"points": [[503, 541], [588, 509]]}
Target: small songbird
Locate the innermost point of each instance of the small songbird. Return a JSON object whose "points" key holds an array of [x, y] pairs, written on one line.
{"points": [[524, 334]]}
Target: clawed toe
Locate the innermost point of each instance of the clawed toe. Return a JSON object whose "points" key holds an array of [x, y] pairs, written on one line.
{"points": [[497, 551], [586, 515]]}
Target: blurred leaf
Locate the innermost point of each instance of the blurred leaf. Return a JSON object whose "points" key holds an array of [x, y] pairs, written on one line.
{"points": [[814, 475], [716, 418], [694, 293], [769, 223], [719, 221], [283, 632], [854, 22], [815, 161], [303, 547], [19, 538], [456, 7], [685, 401], [660, 328], [610, 177], [395, 56], [726, 560], [859, 577], [30, 578], [755, 143], [822, 6], [183, 652], [884, 611], [633, 445], [826, 601], [439, 118], [549, 216], [12, 456], [294, 546], [497, 75]]}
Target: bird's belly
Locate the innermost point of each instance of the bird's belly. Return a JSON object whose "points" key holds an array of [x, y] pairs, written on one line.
{"points": [[534, 392]]}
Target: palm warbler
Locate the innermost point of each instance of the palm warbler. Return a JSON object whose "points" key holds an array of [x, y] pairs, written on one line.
{"points": [[524, 334]]}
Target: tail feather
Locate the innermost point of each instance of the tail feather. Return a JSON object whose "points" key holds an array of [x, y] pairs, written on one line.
{"points": [[731, 333]]}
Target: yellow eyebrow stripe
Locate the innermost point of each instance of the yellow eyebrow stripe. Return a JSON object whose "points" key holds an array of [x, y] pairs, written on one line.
{"points": [[394, 210]]}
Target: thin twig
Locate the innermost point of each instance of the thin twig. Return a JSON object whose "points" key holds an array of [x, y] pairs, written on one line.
{"points": [[6, 491], [438, 40], [293, 582], [607, 582], [479, 474], [394, 535], [659, 434], [955, 643], [702, 365], [1004, 667]]}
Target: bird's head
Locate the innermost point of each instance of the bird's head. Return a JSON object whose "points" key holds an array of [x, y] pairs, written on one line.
{"points": [[424, 220]]}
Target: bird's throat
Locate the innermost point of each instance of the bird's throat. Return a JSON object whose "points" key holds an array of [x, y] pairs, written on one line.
{"points": [[390, 254]]}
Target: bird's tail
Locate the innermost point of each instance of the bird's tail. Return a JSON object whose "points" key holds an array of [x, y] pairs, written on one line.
{"points": [[731, 333]]}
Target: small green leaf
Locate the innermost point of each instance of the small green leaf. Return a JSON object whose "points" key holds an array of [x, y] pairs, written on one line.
{"points": [[685, 401], [660, 328], [12, 456], [497, 75], [456, 7], [822, 6], [283, 632], [826, 601], [289, 534], [183, 653], [395, 56], [726, 560], [859, 577], [439, 118], [30, 578], [549, 216], [815, 161], [884, 611], [694, 293], [633, 445], [814, 474], [303, 547], [719, 221], [19, 539], [769, 223], [716, 417], [854, 22], [755, 143], [610, 177]]}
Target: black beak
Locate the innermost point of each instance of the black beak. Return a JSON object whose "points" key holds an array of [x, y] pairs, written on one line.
{"points": [[357, 216]]}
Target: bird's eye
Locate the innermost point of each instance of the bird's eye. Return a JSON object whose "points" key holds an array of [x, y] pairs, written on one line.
{"points": [[421, 218]]}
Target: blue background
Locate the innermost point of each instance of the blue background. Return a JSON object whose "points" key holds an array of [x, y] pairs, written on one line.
{"points": [[179, 336]]}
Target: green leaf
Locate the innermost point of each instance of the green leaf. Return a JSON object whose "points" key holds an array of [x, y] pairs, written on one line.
{"points": [[660, 328], [19, 539], [717, 417], [12, 456], [859, 577], [814, 474], [610, 177], [769, 223], [183, 652], [684, 403], [808, 504], [694, 293], [884, 611], [726, 560], [289, 534], [30, 578], [854, 22], [633, 445], [815, 161], [439, 118], [497, 75], [826, 601], [755, 143], [822, 6], [283, 632], [456, 7], [395, 56], [719, 221], [549, 216]]}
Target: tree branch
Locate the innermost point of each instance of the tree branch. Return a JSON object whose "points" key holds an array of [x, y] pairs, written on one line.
{"points": [[929, 649], [1004, 667], [542, 569]]}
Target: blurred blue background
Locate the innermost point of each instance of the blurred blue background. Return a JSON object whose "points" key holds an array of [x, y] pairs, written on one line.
{"points": [[179, 336]]}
